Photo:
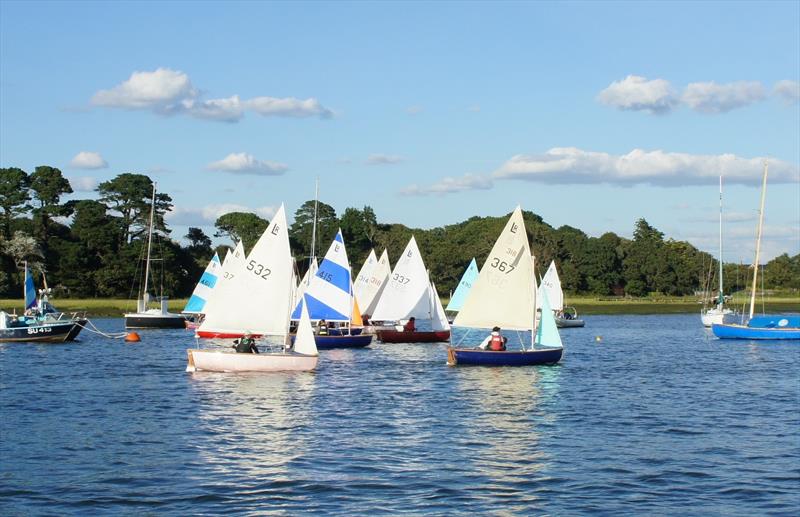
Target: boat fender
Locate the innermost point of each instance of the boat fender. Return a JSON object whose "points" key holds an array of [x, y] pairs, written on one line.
{"points": [[132, 337]]}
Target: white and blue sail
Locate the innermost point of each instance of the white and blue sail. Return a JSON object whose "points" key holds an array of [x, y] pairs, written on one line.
{"points": [[329, 294], [30, 289], [204, 287], [463, 288]]}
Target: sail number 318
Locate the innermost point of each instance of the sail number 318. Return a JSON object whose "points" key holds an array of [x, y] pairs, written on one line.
{"points": [[258, 269]]}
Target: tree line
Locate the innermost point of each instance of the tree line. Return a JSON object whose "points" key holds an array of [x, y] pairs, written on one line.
{"points": [[96, 247]]}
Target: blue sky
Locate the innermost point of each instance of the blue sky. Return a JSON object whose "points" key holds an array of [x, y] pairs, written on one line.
{"points": [[589, 114]]}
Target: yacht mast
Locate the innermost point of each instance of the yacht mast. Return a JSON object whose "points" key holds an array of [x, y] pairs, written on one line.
{"points": [[721, 298], [314, 226], [758, 242], [145, 296]]}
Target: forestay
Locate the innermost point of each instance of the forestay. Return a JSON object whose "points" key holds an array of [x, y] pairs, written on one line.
{"points": [[328, 296], [407, 292], [204, 288], [551, 284], [503, 294], [257, 291], [464, 286]]}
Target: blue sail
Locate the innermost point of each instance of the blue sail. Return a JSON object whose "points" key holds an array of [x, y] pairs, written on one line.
{"points": [[30, 289], [547, 333], [329, 294], [204, 288], [464, 286]]}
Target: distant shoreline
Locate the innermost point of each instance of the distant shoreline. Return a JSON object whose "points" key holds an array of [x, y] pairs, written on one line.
{"points": [[110, 307]]}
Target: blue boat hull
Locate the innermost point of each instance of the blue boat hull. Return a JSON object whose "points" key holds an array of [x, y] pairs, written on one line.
{"points": [[471, 356], [747, 332], [328, 342], [43, 333]]}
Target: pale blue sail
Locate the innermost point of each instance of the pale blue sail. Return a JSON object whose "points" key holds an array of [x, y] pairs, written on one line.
{"points": [[329, 295], [30, 289], [464, 286], [547, 333], [204, 288]]}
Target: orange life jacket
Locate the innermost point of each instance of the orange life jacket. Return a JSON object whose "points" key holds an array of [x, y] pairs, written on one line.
{"points": [[496, 343]]}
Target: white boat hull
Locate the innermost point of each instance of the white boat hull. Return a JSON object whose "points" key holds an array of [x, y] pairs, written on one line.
{"points": [[718, 317], [564, 323], [229, 361]]}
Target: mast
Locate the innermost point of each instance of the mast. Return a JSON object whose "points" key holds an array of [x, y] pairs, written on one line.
{"points": [[721, 299], [758, 242], [535, 289], [145, 296], [314, 226]]}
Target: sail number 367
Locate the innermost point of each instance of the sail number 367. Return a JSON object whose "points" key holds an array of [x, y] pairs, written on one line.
{"points": [[502, 265], [258, 269]]}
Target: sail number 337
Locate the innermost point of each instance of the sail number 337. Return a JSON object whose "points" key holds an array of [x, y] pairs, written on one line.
{"points": [[258, 269]]}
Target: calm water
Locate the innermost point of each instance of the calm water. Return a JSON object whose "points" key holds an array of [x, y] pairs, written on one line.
{"points": [[656, 418]]}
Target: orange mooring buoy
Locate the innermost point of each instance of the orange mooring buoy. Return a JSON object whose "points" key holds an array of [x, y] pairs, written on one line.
{"points": [[132, 337]]}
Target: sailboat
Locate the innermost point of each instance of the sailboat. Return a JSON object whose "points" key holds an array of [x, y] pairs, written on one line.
{"points": [[463, 288], [40, 321], [371, 281], [504, 295], [719, 313], [270, 274], [410, 293], [157, 318], [551, 284], [329, 297], [202, 291], [772, 326]]}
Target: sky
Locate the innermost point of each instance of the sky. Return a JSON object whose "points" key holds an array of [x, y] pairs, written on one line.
{"points": [[590, 114]]}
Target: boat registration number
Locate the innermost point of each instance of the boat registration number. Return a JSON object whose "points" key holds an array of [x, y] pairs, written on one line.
{"points": [[40, 330]]}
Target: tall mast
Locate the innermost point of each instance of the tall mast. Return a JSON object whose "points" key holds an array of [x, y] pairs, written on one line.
{"points": [[721, 298], [314, 226], [758, 242], [149, 244]]}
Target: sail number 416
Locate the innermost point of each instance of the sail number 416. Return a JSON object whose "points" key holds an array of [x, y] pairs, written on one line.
{"points": [[258, 269], [502, 265]]}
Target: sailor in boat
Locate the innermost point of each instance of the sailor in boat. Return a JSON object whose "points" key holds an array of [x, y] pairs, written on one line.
{"points": [[495, 341], [246, 345], [322, 328], [410, 325]]}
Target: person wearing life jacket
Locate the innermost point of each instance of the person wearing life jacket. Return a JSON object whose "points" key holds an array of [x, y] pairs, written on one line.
{"points": [[410, 325], [322, 328], [246, 345], [495, 341]]}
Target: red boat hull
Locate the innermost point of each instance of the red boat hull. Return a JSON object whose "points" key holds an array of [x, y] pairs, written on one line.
{"points": [[395, 336]]}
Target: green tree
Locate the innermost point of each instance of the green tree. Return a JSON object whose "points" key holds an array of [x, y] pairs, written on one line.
{"points": [[301, 230], [241, 226], [199, 245], [48, 184], [359, 228], [14, 196], [130, 196]]}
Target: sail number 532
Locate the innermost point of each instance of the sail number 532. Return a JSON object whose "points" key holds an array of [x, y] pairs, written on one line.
{"points": [[502, 265], [258, 269]]}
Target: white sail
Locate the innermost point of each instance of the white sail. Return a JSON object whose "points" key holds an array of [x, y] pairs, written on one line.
{"points": [[551, 284], [503, 294], [439, 319], [304, 341], [407, 292], [361, 286], [257, 292], [223, 296], [329, 294], [306, 281], [204, 288], [369, 293]]}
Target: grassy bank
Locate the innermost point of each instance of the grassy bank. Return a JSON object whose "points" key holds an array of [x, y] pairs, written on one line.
{"points": [[585, 305]]}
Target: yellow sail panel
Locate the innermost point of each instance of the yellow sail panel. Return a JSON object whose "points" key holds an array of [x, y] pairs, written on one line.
{"points": [[355, 319]]}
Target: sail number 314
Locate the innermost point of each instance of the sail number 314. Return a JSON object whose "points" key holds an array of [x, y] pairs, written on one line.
{"points": [[258, 269]]}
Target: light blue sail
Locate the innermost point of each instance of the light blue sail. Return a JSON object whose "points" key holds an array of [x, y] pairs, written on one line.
{"points": [[464, 286], [329, 295], [30, 289], [547, 333], [204, 287]]}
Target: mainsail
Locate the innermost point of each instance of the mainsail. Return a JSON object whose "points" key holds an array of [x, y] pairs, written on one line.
{"points": [[328, 296], [551, 284], [371, 282], [204, 288], [503, 294], [407, 292], [255, 293], [463, 288]]}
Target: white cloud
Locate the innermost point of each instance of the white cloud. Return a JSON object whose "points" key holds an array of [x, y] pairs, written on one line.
{"points": [[243, 163], [88, 160], [384, 159], [711, 97], [475, 108], [288, 107], [565, 165], [208, 214], [83, 184], [788, 91], [170, 92], [267, 212], [635, 93], [450, 186], [160, 90], [414, 110]]}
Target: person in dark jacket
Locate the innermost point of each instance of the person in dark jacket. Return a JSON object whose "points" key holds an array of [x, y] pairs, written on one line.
{"points": [[411, 325], [246, 345]]}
